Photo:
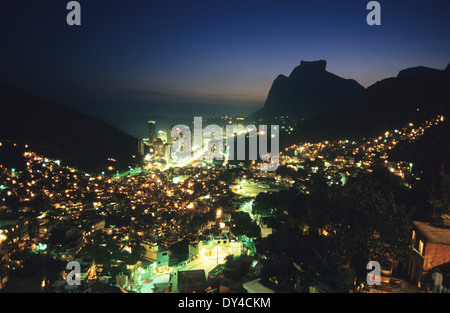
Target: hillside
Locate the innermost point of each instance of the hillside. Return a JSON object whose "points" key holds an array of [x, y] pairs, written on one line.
{"points": [[59, 131]]}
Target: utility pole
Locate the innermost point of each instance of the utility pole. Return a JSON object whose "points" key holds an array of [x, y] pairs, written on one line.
{"points": [[426, 259]]}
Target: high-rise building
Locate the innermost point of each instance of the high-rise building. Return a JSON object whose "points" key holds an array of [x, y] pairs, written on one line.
{"points": [[162, 134], [167, 153], [159, 148], [151, 131], [141, 147]]}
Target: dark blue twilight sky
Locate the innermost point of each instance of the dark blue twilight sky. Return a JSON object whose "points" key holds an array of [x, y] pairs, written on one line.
{"points": [[130, 60]]}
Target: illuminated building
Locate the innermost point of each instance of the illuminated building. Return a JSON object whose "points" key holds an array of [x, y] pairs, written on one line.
{"points": [[158, 255], [215, 246], [166, 156], [151, 131], [159, 148], [162, 135]]}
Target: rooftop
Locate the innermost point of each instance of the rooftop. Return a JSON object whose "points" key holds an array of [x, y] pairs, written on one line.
{"points": [[434, 234], [193, 280], [255, 286]]}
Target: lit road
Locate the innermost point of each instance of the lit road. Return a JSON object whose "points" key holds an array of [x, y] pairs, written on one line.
{"points": [[206, 263], [252, 191]]}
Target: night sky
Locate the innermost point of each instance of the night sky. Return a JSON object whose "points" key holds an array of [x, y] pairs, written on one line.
{"points": [[132, 60]]}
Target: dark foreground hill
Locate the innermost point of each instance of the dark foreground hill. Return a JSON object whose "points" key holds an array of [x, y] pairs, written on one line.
{"points": [[59, 131]]}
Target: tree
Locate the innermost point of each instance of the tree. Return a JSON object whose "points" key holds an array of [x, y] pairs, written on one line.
{"points": [[445, 181], [180, 250], [274, 203], [369, 218], [243, 225], [236, 267], [137, 252], [344, 279], [107, 251], [41, 204], [285, 171]]}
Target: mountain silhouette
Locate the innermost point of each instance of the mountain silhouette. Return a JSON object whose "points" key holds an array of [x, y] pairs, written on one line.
{"points": [[416, 94], [58, 131], [309, 90]]}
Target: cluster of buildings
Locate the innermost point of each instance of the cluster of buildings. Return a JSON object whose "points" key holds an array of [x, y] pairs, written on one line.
{"points": [[157, 147], [58, 212], [338, 160]]}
